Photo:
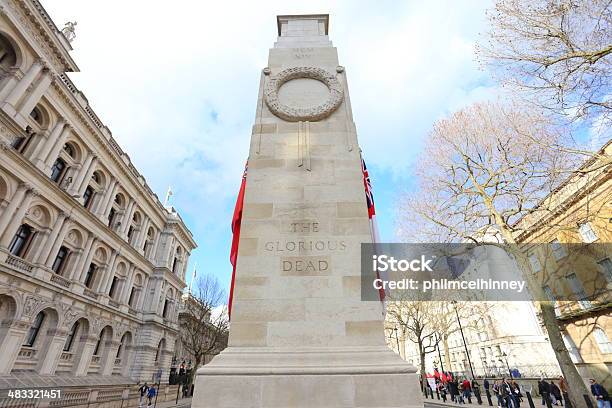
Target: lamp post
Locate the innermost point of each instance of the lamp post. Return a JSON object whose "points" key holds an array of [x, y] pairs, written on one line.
{"points": [[454, 302], [507, 365], [397, 341]]}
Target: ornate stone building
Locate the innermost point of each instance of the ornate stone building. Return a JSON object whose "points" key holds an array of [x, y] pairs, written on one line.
{"points": [[92, 265]]}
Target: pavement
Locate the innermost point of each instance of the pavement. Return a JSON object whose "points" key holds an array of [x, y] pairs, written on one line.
{"points": [[434, 403], [182, 403]]}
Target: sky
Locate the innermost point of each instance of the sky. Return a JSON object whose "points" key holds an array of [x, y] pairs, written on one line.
{"points": [[176, 82]]}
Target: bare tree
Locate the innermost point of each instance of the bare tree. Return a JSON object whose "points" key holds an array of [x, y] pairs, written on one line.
{"points": [[557, 51], [204, 323], [482, 170]]}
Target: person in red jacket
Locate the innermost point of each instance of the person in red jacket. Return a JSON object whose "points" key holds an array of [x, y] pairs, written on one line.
{"points": [[467, 389]]}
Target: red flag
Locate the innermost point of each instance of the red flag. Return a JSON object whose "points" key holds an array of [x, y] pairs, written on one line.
{"points": [[236, 220], [372, 215]]}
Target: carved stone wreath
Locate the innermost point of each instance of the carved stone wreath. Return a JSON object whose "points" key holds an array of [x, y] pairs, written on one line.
{"points": [[312, 113]]}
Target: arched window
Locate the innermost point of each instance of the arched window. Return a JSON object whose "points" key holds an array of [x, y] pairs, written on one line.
{"points": [[90, 276], [88, 196], [165, 310], [60, 260], [37, 116], [69, 150], [113, 287], [8, 56], [96, 177], [121, 345], [160, 349], [71, 336], [21, 241], [34, 330], [603, 341], [57, 171], [99, 343]]}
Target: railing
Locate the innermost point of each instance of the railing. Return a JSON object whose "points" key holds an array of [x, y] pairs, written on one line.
{"points": [[19, 263], [71, 398], [109, 395], [26, 352], [66, 356], [113, 303], [95, 360], [60, 280], [118, 361], [90, 293], [132, 311]]}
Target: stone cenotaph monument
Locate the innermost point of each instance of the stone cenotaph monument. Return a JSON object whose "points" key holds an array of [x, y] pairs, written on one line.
{"points": [[300, 334]]}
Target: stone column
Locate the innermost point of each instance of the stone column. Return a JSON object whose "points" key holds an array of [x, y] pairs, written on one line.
{"points": [[85, 182], [83, 359], [39, 90], [127, 218], [82, 265], [12, 336], [108, 200], [57, 147], [15, 95], [41, 257], [43, 148], [125, 292], [108, 274], [142, 294], [143, 234], [107, 362], [52, 352], [14, 202], [13, 226], [153, 253], [58, 241], [78, 178]]}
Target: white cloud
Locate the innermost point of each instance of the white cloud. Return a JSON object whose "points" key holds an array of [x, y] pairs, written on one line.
{"points": [[177, 82]]}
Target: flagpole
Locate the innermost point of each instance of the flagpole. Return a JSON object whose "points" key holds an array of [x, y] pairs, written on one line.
{"points": [[193, 276]]}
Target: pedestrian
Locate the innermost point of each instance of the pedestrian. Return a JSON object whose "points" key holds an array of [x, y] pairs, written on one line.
{"points": [[143, 391], [544, 390], [454, 389], [476, 388], [600, 394], [556, 392], [151, 394], [467, 390], [563, 387], [508, 394], [498, 394]]}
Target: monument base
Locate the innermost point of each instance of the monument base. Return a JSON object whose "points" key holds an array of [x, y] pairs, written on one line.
{"points": [[267, 377]]}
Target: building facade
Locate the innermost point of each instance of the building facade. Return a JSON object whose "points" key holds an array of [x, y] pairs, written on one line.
{"points": [[508, 338], [576, 220], [92, 265]]}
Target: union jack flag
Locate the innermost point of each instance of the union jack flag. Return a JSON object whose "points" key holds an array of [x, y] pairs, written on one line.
{"points": [[368, 189]]}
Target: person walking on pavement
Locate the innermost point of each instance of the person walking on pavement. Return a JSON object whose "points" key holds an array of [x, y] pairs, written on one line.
{"points": [[498, 394], [467, 390], [563, 387], [151, 394], [143, 391], [600, 394], [544, 390], [556, 392]]}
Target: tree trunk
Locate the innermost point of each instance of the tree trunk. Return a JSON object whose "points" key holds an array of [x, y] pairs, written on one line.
{"points": [[423, 374], [447, 362], [575, 384]]}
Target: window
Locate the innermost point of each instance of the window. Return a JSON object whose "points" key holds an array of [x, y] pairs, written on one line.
{"points": [[98, 343], [130, 233], [175, 265], [606, 267], [578, 290], [587, 233], [159, 350], [557, 249], [131, 299], [57, 171], [96, 177], [21, 241], [37, 116], [111, 291], [165, 311], [34, 330], [121, 344], [535, 263], [71, 336], [571, 348], [603, 342], [69, 150], [111, 217], [91, 272], [21, 142], [60, 260], [88, 196]]}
